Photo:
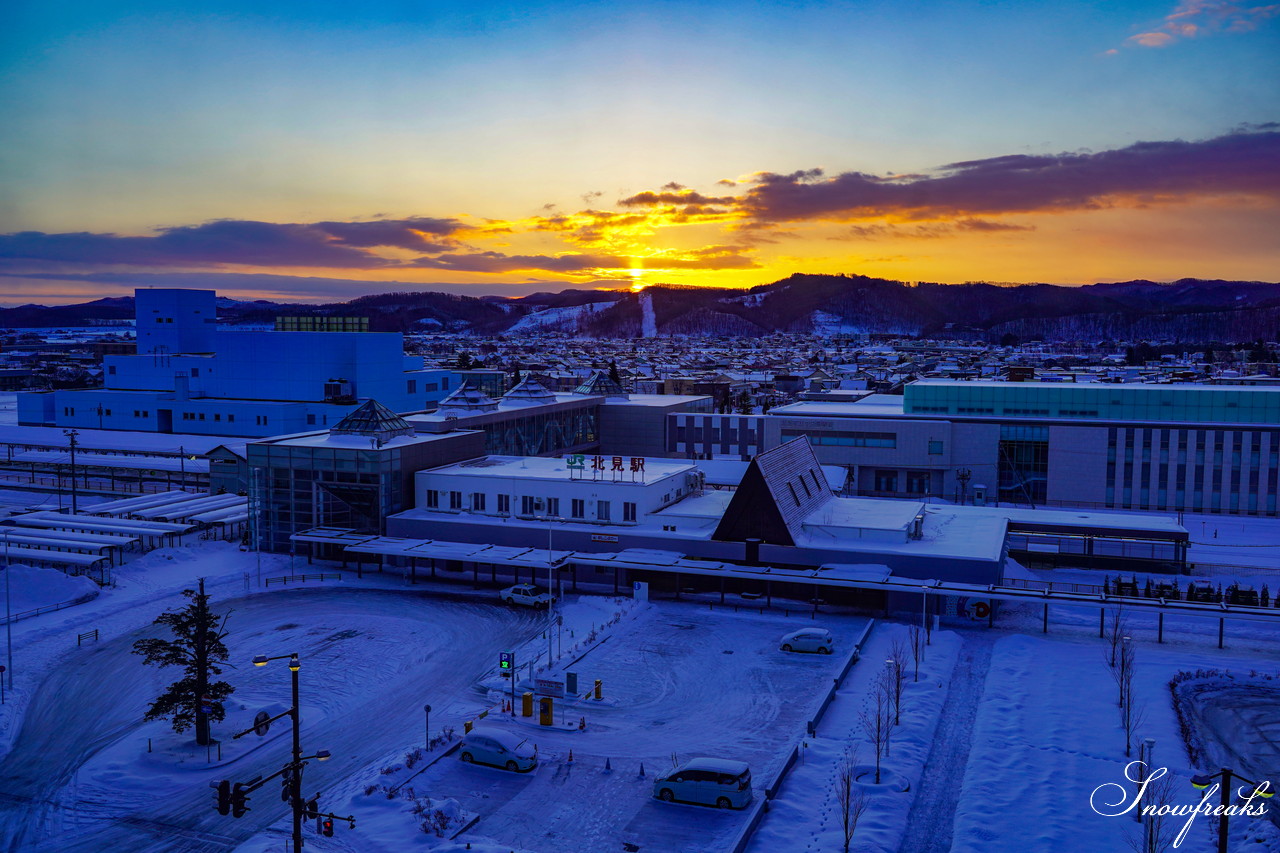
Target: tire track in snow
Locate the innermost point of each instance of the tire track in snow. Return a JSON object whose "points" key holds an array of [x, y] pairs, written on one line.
{"points": [[931, 823]]}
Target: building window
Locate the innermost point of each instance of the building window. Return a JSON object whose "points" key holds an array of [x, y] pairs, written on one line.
{"points": [[504, 503], [918, 482], [886, 481], [844, 438], [231, 419], [311, 420], [433, 499], [195, 371], [477, 501], [578, 508], [628, 511], [794, 496], [444, 384], [111, 370], [602, 510], [935, 448], [526, 505], [455, 500], [413, 386], [553, 507]]}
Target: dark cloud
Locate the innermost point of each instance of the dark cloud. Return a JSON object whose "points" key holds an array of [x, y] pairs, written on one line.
{"points": [[1237, 163], [238, 242], [926, 230], [678, 196], [499, 262]]}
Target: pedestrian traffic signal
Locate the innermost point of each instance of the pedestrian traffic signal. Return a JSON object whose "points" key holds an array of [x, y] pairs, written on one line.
{"points": [[327, 828], [223, 800], [239, 800]]}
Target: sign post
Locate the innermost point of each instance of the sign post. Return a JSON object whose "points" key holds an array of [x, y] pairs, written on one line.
{"points": [[2, 685], [507, 663]]}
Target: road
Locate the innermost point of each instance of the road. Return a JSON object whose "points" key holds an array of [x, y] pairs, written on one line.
{"points": [[368, 655]]}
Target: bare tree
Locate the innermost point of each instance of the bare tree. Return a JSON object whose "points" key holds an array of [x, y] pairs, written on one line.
{"points": [[897, 677], [916, 634], [853, 800], [877, 717], [1132, 714], [1118, 626], [1158, 831]]}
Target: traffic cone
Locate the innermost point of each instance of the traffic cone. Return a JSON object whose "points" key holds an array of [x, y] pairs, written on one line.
{"points": [[571, 756], [607, 767], [641, 769]]}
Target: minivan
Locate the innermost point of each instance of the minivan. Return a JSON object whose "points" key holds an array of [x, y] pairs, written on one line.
{"points": [[499, 748], [809, 640], [708, 781]]}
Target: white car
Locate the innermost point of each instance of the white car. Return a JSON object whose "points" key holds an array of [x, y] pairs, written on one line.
{"points": [[809, 640], [709, 781], [499, 748], [527, 595]]}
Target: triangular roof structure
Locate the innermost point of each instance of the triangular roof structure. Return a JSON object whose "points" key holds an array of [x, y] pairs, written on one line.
{"points": [[782, 487], [528, 392], [468, 400], [599, 384], [374, 420]]}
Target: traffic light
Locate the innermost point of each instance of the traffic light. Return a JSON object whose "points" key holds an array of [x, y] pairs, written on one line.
{"points": [[327, 828], [223, 801], [286, 786], [239, 800], [313, 808]]}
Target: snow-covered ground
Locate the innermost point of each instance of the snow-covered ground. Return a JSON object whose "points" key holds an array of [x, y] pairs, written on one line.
{"points": [[1002, 740]]}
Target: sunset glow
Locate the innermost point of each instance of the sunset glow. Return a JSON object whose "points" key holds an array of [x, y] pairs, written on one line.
{"points": [[316, 154]]}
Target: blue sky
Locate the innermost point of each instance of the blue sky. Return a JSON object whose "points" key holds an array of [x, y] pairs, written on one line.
{"points": [[124, 118]]}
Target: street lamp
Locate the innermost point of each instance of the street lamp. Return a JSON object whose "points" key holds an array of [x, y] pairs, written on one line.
{"points": [[296, 792], [8, 612], [71, 437], [1201, 781]]}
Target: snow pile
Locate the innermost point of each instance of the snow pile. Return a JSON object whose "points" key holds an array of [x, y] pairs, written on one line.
{"points": [[31, 587]]}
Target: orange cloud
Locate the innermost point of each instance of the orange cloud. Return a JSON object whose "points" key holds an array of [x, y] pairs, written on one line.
{"points": [[1193, 18]]}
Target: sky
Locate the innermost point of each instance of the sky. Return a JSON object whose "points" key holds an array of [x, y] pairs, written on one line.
{"points": [[323, 150]]}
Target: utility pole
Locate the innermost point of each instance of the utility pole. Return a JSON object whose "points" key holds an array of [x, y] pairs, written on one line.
{"points": [[71, 436]]}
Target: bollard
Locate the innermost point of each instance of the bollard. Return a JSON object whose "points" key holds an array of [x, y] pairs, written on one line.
{"points": [[148, 744], [598, 683], [607, 766]]}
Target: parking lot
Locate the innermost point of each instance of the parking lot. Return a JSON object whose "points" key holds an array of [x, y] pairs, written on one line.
{"points": [[687, 681]]}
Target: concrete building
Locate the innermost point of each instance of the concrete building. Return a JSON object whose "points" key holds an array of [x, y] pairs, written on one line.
{"points": [[1190, 447], [190, 377]]}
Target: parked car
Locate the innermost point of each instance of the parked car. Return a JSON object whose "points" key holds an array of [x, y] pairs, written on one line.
{"points": [[809, 640], [716, 782], [499, 748], [527, 595]]}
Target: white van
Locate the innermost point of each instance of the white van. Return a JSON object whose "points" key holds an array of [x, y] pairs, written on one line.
{"points": [[809, 640], [498, 747], [708, 781]]}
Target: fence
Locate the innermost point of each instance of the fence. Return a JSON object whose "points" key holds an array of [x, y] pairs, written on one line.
{"points": [[49, 608], [87, 636], [288, 579]]}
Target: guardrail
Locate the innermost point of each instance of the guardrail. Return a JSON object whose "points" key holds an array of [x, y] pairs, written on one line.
{"points": [[288, 579], [49, 608]]}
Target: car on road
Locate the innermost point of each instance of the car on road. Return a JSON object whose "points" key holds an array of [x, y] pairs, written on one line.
{"points": [[717, 782], [809, 640], [499, 748], [527, 595]]}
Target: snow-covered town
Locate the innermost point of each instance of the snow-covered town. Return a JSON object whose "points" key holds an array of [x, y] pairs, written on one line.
{"points": [[632, 426], [398, 631]]}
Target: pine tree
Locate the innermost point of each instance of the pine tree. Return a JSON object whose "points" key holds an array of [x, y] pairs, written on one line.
{"points": [[464, 361], [197, 647], [613, 372]]}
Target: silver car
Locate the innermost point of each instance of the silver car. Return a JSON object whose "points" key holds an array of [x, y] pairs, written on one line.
{"points": [[708, 781], [809, 640], [499, 748]]}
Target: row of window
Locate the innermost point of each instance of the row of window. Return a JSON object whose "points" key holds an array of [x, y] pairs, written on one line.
{"points": [[844, 438], [217, 416], [529, 505]]}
